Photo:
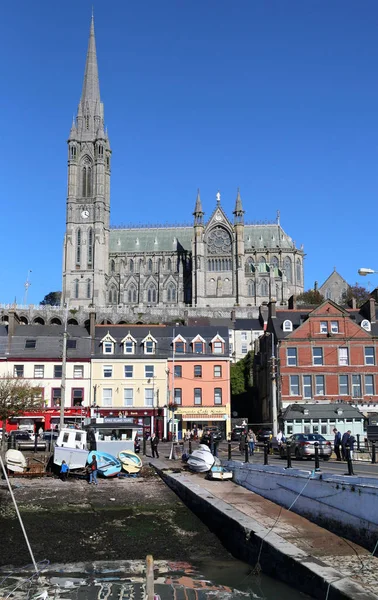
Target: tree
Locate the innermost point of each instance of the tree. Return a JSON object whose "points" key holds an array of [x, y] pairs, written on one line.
{"points": [[241, 375], [313, 297], [360, 293], [16, 397], [52, 299]]}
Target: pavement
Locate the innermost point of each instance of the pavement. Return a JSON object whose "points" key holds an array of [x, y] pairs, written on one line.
{"points": [[345, 564]]}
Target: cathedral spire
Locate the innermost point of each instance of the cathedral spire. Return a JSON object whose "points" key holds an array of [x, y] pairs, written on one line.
{"points": [[238, 212], [198, 212], [91, 85]]}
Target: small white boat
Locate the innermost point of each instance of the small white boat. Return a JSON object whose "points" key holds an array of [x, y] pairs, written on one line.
{"points": [[15, 461], [201, 460], [131, 463], [219, 473]]}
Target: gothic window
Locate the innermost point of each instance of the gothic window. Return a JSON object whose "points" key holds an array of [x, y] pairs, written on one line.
{"points": [[299, 271], [158, 265], [251, 288], [171, 293], [169, 264], [249, 266], [101, 150], [288, 269], [72, 151], [76, 288], [274, 262], [107, 162], [263, 287], [90, 246], [112, 295], [151, 294], [150, 265], [87, 121], [78, 247], [86, 175], [131, 265], [112, 266], [88, 288], [132, 294], [219, 241]]}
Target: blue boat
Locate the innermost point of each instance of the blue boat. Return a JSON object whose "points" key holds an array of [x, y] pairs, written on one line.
{"points": [[107, 465]]}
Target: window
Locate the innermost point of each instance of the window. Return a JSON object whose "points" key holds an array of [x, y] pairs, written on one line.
{"points": [[264, 287], [244, 349], [129, 347], [369, 385], [178, 371], [171, 293], [149, 265], [78, 247], [30, 343], [365, 324], [323, 327], [317, 356], [307, 386], [343, 356], [291, 357], [56, 395], [149, 347], [218, 348], [39, 371], [287, 325], [217, 396], [179, 347], [107, 397], [356, 386], [77, 396], [76, 288], [108, 347], [132, 294], [178, 396], [149, 397], [294, 385], [18, 370], [151, 294], [128, 370], [90, 247], [198, 347], [71, 344], [217, 371], [319, 385], [108, 370], [78, 371], [343, 385], [324, 429], [128, 397], [131, 266], [243, 336], [197, 396], [369, 355], [197, 370], [149, 371], [58, 371], [334, 327]]}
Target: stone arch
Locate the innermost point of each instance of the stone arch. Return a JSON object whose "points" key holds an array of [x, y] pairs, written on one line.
{"points": [[5, 319], [55, 321], [72, 322], [24, 320], [106, 322], [122, 323], [38, 321]]}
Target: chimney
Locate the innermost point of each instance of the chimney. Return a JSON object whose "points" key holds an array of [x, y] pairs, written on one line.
{"points": [[354, 303], [372, 310], [315, 286], [272, 309]]}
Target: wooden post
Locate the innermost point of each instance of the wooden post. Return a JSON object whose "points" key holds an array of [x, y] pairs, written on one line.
{"points": [[150, 577]]}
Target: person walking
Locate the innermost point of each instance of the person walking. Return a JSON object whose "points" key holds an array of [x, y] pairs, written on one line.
{"points": [[93, 470], [251, 438], [344, 442], [154, 445], [352, 441], [336, 443], [63, 471]]}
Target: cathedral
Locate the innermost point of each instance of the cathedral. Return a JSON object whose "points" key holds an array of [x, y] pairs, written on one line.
{"points": [[220, 262]]}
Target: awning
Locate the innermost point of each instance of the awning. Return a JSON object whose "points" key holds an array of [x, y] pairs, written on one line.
{"points": [[204, 417]]}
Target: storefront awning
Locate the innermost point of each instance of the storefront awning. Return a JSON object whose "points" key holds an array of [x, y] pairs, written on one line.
{"points": [[189, 417]]}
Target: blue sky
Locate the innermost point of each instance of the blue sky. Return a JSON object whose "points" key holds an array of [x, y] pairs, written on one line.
{"points": [[279, 97]]}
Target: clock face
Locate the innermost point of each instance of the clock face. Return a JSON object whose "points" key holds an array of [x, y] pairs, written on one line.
{"points": [[85, 214]]}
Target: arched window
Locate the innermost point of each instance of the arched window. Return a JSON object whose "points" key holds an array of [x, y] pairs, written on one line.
{"points": [[299, 271], [86, 178], [90, 246], [274, 262], [249, 266], [287, 325], [262, 260], [288, 269], [149, 265], [169, 264], [72, 152], [76, 288], [88, 288], [78, 247], [132, 294], [151, 294], [112, 295], [131, 266], [263, 287], [251, 288], [171, 293], [112, 266]]}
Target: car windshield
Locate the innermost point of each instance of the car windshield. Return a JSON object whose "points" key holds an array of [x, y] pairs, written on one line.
{"points": [[312, 437]]}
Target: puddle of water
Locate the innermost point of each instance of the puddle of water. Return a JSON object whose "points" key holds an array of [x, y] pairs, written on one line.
{"points": [[223, 580]]}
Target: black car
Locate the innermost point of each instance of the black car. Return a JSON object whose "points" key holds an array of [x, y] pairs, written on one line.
{"points": [[264, 434], [237, 432]]}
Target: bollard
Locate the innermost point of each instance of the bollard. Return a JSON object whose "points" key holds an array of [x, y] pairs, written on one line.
{"points": [[358, 442], [144, 446], [266, 451], [246, 453], [288, 454], [150, 577], [349, 460], [212, 447], [373, 460], [190, 446], [317, 465], [229, 449]]}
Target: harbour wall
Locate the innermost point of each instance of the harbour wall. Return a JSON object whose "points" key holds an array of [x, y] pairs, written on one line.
{"points": [[342, 504]]}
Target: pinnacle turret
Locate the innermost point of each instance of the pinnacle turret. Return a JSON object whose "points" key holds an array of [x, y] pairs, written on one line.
{"points": [[238, 211], [198, 212]]}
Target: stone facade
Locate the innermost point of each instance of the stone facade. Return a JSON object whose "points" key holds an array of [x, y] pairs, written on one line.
{"points": [[217, 264]]}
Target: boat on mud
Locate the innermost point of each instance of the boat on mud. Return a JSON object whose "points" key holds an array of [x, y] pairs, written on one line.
{"points": [[107, 465], [131, 463], [201, 460], [15, 461]]}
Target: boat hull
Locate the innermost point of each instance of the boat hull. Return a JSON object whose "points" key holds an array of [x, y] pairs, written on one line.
{"points": [[15, 461], [76, 459], [131, 463], [107, 465], [201, 460]]}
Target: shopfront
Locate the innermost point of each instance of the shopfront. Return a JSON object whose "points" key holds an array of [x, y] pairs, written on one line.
{"points": [[145, 420], [47, 419], [200, 418]]}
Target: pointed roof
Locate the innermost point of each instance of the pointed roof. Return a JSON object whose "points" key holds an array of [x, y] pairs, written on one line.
{"points": [[91, 85], [198, 207], [238, 205]]}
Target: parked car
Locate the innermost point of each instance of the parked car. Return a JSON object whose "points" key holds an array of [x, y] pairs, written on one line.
{"points": [[302, 445], [217, 434], [237, 432], [48, 436], [264, 434], [22, 440]]}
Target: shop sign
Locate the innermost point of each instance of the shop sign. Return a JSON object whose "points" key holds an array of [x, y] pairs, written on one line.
{"points": [[118, 419]]}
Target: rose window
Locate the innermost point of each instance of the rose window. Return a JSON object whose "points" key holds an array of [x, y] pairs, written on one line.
{"points": [[219, 241]]}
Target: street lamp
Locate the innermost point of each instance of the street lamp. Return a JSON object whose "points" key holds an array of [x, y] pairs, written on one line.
{"points": [[365, 272]]}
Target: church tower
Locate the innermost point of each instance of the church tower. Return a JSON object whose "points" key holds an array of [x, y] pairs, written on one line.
{"points": [[86, 243]]}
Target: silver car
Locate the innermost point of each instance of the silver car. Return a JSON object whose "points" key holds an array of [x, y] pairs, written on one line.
{"points": [[302, 445]]}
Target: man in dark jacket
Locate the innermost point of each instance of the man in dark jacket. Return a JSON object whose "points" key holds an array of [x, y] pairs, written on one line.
{"points": [[206, 438], [344, 443], [154, 445], [93, 470], [336, 443]]}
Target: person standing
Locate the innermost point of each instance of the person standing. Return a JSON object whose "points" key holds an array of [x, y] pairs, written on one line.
{"points": [[93, 470], [206, 438], [336, 443], [251, 438], [352, 441], [154, 445], [63, 471], [344, 442]]}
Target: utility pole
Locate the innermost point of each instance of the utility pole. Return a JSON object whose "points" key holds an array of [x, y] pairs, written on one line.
{"points": [[171, 455], [27, 285], [274, 388], [64, 365]]}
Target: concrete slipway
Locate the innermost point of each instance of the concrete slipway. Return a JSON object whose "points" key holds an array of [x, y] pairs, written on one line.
{"points": [[279, 542]]}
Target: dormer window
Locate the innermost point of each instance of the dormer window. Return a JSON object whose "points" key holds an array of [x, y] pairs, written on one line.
{"points": [[287, 325], [198, 345], [217, 344], [365, 324], [30, 343], [129, 344], [149, 344], [108, 344], [179, 344]]}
